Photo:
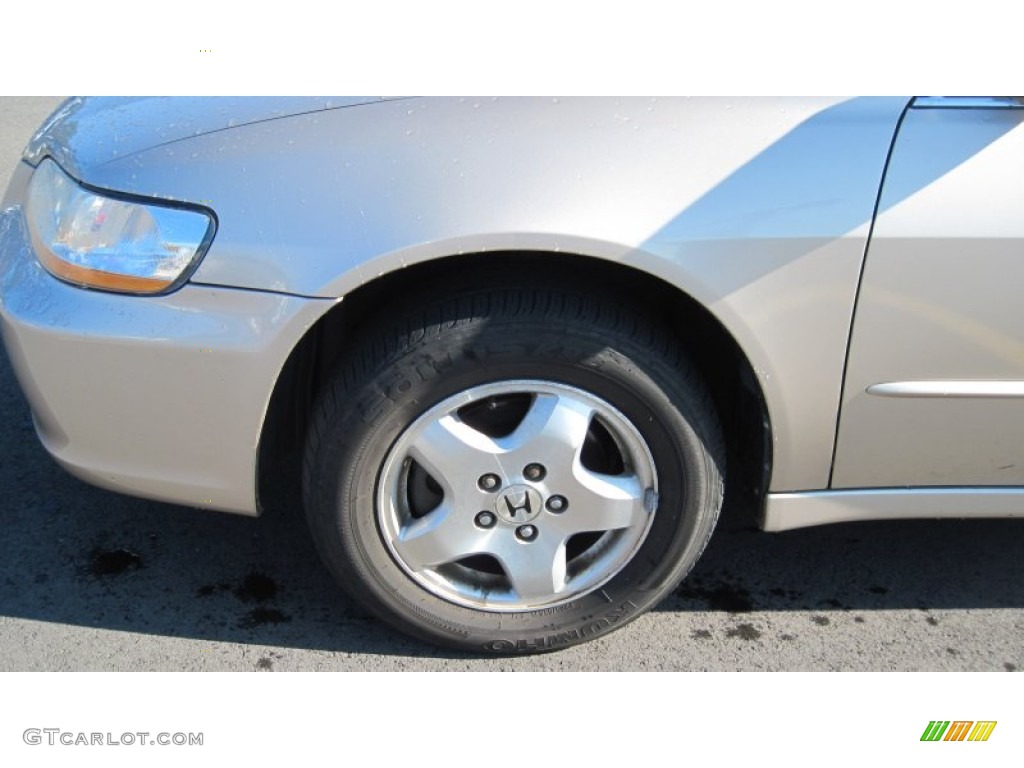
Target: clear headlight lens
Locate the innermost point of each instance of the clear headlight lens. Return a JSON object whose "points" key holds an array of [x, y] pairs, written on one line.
{"points": [[103, 242]]}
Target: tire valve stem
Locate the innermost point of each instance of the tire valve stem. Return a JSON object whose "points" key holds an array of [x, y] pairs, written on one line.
{"points": [[650, 500]]}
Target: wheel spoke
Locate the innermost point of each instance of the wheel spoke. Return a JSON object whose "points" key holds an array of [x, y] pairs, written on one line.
{"points": [[443, 536], [552, 432], [536, 569], [603, 503], [451, 451]]}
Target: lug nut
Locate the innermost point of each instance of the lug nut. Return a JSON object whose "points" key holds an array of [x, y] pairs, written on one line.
{"points": [[526, 532], [557, 504], [534, 472], [486, 520], [489, 482]]}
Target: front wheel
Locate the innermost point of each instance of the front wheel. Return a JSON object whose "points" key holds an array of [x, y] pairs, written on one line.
{"points": [[513, 470]]}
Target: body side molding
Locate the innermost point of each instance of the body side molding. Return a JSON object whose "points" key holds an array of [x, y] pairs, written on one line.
{"points": [[786, 511], [949, 388]]}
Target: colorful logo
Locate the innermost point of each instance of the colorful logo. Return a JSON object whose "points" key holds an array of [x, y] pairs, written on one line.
{"points": [[959, 730]]}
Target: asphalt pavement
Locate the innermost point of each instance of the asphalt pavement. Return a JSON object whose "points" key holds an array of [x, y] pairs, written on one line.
{"points": [[91, 580]]}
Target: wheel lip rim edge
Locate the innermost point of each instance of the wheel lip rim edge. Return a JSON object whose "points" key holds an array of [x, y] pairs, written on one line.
{"points": [[389, 478]]}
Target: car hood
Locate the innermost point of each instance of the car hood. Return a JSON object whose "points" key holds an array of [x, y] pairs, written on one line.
{"points": [[86, 132]]}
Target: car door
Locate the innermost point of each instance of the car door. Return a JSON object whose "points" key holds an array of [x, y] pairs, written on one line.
{"points": [[934, 386]]}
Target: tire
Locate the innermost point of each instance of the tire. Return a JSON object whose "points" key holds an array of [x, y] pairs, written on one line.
{"points": [[513, 470]]}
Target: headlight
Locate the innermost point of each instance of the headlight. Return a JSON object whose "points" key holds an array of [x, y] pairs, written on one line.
{"points": [[97, 241]]}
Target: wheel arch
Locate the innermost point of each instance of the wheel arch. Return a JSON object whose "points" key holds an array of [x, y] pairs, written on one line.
{"points": [[739, 399]]}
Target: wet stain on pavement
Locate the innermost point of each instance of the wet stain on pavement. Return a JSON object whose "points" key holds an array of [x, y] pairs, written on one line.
{"points": [[256, 586], [700, 634], [834, 603], [110, 562], [744, 632], [821, 621], [264, 665], [721, 597]]}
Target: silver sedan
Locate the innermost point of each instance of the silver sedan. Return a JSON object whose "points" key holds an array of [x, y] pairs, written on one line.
{"points": [[517, 342]]}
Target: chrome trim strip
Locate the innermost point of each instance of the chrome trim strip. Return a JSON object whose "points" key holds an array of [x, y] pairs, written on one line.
{"points": [[786, 511], [986, 389], [968, 102]]}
